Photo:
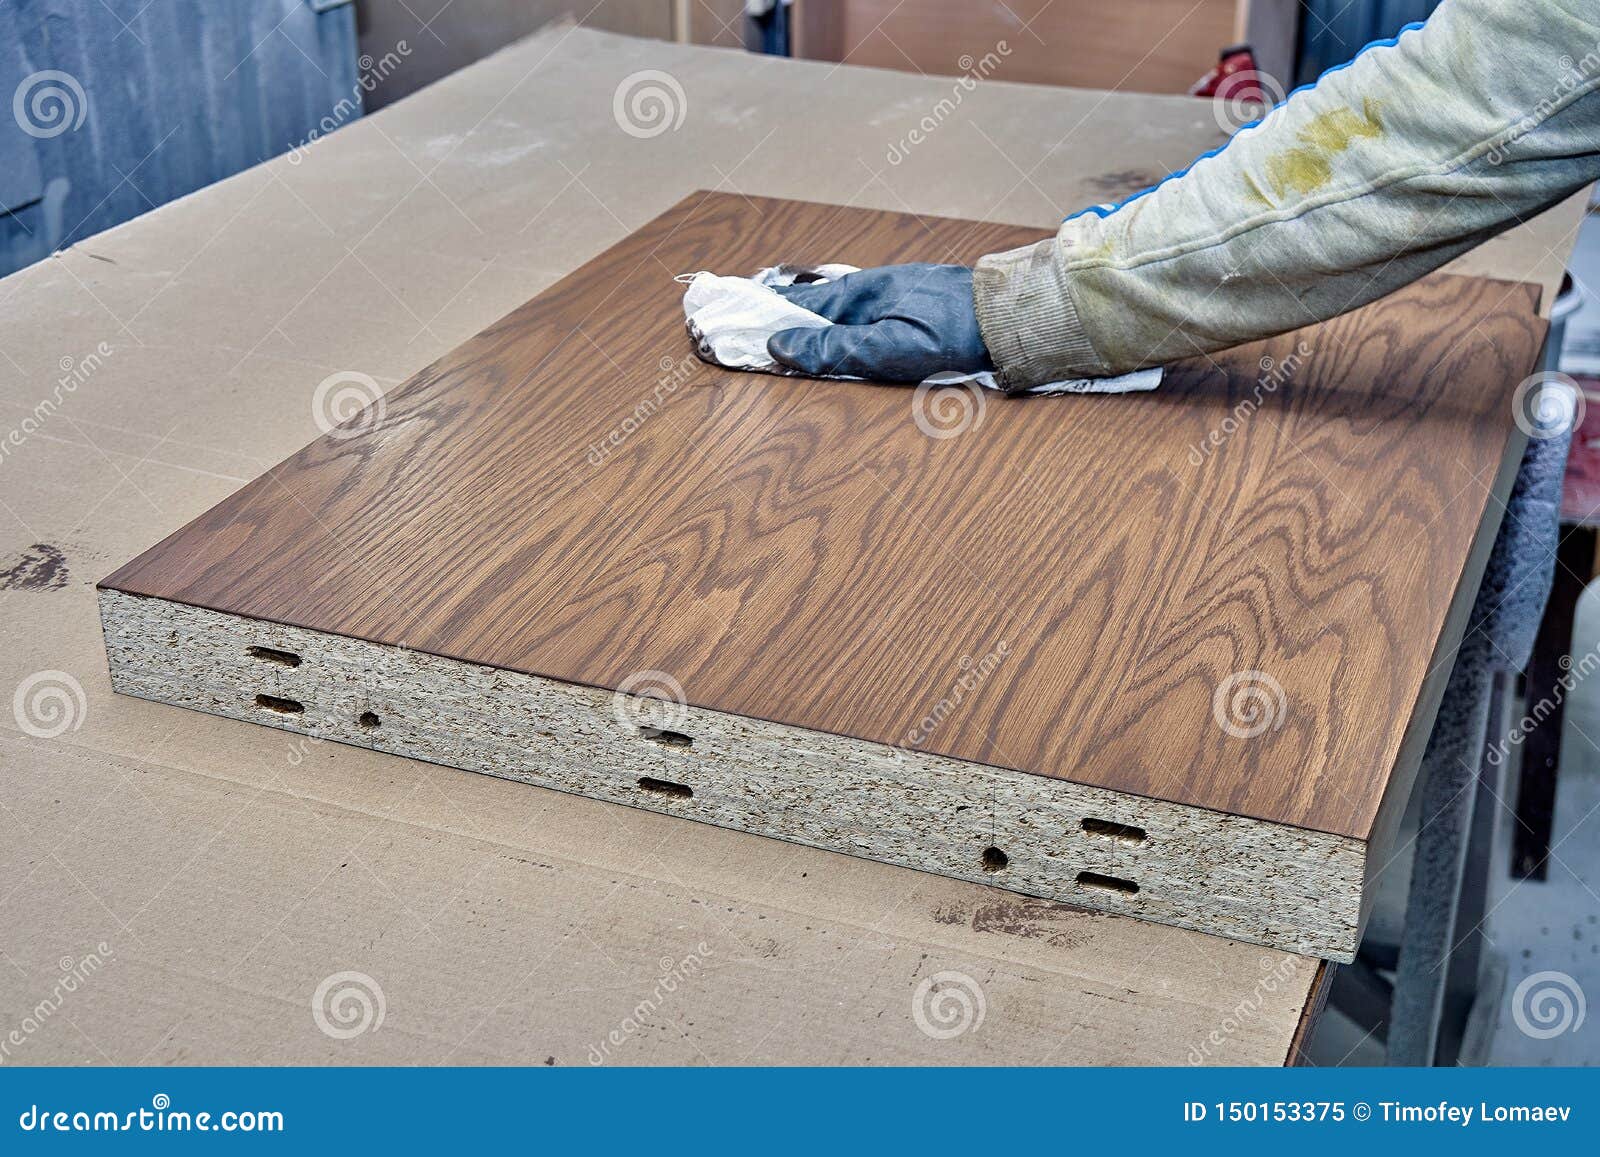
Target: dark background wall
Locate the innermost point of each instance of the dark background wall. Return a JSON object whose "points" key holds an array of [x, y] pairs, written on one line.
{"points": [[1333, 31], [110, 109]]}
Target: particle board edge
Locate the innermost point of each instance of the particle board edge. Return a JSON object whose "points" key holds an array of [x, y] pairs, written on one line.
{"points": [[1299, 1051], [1245, 879]]}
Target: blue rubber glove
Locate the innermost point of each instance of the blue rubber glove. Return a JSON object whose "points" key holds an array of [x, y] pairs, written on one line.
{"points": [[897, 323]]}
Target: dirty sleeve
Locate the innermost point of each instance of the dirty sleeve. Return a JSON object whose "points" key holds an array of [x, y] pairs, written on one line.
{"points": [[1420, 148]]}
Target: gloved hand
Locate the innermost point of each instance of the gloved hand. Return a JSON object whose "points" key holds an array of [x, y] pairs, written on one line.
{"points": [[897, 323]]}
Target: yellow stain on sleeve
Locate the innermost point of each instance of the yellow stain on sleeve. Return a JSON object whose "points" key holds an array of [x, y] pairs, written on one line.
{"points": [[1309, 165], [1253, 193]]}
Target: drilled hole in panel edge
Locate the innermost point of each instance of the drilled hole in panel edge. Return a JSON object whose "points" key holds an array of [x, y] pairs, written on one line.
{"points": [[1122, 833], [1098, 882], [274, 655], [665, 737]]}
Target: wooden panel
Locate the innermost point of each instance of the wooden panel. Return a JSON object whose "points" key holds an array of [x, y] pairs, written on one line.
{"points": [[1153, 46], [569, 494], [715, 22], [442, 36]]}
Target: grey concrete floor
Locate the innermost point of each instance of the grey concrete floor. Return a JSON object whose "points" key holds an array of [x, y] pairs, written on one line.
{"points": [[1550, 931]]}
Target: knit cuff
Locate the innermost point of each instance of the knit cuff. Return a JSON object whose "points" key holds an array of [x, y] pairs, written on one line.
{"points": [[1028, 321]]}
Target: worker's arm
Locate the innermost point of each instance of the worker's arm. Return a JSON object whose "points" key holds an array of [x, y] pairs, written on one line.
{"points": [[1348, 190], [1383, 171]]}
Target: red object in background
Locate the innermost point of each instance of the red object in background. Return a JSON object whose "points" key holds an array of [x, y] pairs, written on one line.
{"points": [[1237, 61], [1580, 498]]}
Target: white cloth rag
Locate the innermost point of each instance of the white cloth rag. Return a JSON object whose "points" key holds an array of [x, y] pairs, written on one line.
{"points": [[731, 318]]}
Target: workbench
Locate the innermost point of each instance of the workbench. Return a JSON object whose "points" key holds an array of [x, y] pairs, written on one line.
{"points": [[233, 888]]}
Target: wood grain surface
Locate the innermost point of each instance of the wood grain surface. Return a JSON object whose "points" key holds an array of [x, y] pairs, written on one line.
{"points": [[1061, 586]]}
